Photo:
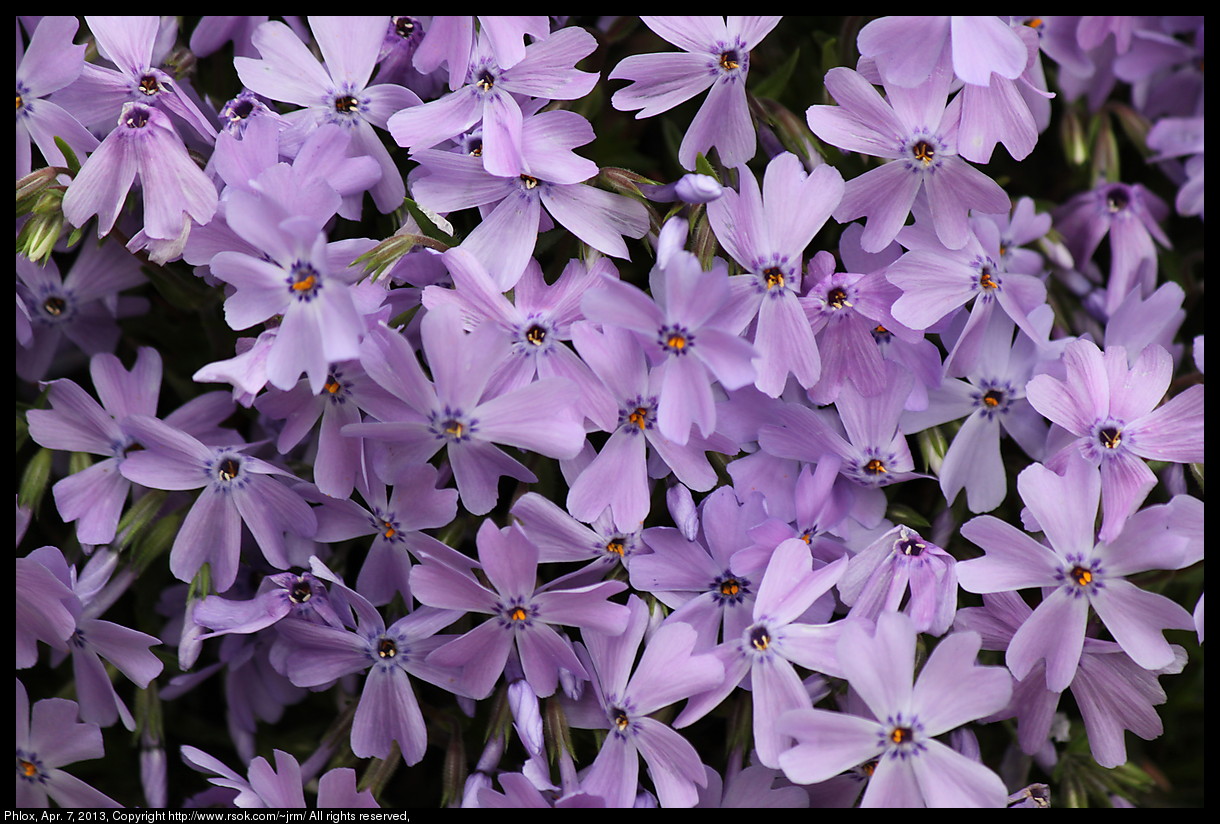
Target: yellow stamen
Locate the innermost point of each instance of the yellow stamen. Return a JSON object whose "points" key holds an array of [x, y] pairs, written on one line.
{"points": [[1081, 576], [305, 284], [729, 62], [675, 341], [518, 614], [27, 768], [924, 153], [986, 282], [900, 734], [639, 417], [333, 386], [874, 467], [615, 546]]}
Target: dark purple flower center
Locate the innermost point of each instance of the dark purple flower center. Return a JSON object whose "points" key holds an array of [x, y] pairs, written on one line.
{"points": [[730, 60], [618, 716], [760, 638], [615, 546], [54, 306], [228, 469], [29, 768], [346, 104], [405, 27], [486, 81], [924, 152], [901, 735], [875, 467], [1117, 199], [535, 335], [910, 546], [387, 648], [300, 592], [1110, 437], [993, 398], [729, 589], [773, 277], [675, 340], [240, 109], [149, 85], [137, 117], [836, 298], [1081, 576]]}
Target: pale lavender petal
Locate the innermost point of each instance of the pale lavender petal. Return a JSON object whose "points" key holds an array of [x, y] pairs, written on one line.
{"points": [[210, 533], [723, 122], [1173, 431], [618, 479], [949, 779], [477, 468], [952, 691], [388, 712], [828, 743], [537, 417], [349, 46], [288, 71], [880, 667], [686, 399], [893, 785], [777, 689], [1013, 560], [1055, 631], [1136, 619], [883, 195], [973, 462], [481, 654], [673, 763], [953, 190], [614, 774], [505, 240], [660, 81], [600, 218], [984, 44], [543, 653], [1065, 506]]}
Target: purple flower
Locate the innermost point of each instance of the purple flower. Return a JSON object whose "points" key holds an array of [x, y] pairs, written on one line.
{"points": [[547, 70], [280, 595], [95, 496], [618, 477], [522, 615], [687, 332], [766, 230], [547, 174], [236, 489], [1078, 572], [1113, 693], [1130, 215], [450, 40], [993, 401], [560, 537], [48, 738], [175, 190], [667, 672], [908, 49], [916, 129], [281, 786], [716, 54], [93, 639], [454, 412], [913, 768], [82, 307], [313, 655], [50, 63], [776, 639], [1110, 409], [294, 274], [878, 578], [43, 611], [337, 92]]}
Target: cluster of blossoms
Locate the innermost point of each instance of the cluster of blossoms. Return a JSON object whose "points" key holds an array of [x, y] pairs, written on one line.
{"points": [[428, 422]]}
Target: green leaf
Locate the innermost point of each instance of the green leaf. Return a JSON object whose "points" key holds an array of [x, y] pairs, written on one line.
{"points": [[73, 165], [903, 514], [703, 167], [35, 478], [427, 225]]}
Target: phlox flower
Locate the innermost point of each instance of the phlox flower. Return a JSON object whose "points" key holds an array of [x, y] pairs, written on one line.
{"points": [[336, 91], [313, 655], [547, 70], [49, 63], [94, 497], [766, 230], [776, 639], [716, 54], [175, 190], [879, 577], [1110, 410], [49, 737], [623, 700], [281, 786], [454, 411], [918, 131], [912, 768], [688, 336], [451, 39], [523, 615], [618, 477], [1113, 693], [908, 49], [236, 489], [1077, 571]]}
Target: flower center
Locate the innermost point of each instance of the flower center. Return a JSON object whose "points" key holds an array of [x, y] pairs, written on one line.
{"points": [[901, 735], [923, 152], [28, 769], [386, 648], [729, 588], [239, 110], [54, 306], [530, 182], [619, 718], [485, 81], [1110, 438], [229, 469], [730, 61], [615, 546], [993, 398], [1081, 576], [20, 103], [1117, 200], [404, 27], [518, 614], [837, 298], [148, 85], [875, 467], [346, 104], [910, 546], [774, 277], [137, 117], [675, 340], [760, 639], [300, 592], [304, 281], [535, 334], [332, 386]]}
